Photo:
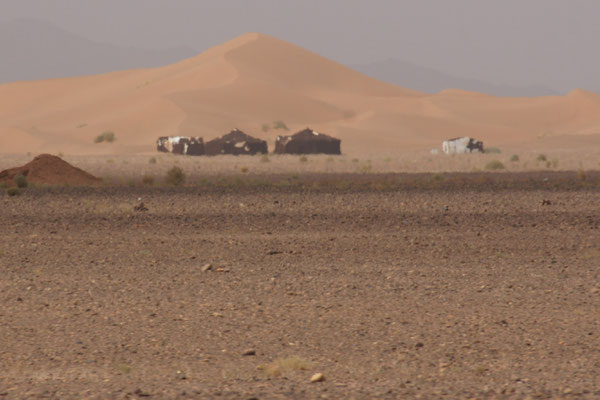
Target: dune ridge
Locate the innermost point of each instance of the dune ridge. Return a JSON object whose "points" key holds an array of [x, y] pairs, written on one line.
{"points": [[256, 79]]}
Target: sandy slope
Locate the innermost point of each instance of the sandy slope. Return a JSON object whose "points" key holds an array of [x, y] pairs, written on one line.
{"points": [[255, 79]]}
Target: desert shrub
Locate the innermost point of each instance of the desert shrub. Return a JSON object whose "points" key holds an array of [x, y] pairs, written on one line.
{"points": [[107, 136], [581, 175], [110, 161], [147, 180], [3, 185], [541, 157], [494, 165], [493, 150], [21, 181], [280, 125], [264, 158], [152, 160], [244, 170], [175, 176], [329, 159], [303, 159], [437, 177], [266, 127], [13, 191], [514, 158], [554, 163]]}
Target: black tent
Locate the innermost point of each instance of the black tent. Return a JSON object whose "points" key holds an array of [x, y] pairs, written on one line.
{"points": [[235, 142], [307, 142]]}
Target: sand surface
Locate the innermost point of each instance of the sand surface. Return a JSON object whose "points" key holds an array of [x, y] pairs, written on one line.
{"points": [[256, 79]]}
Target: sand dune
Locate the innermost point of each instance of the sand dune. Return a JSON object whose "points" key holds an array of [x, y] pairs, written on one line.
{"points": [[256, 79]]}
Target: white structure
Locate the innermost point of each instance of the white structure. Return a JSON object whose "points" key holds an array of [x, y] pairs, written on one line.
{"points": [[462, 145]]}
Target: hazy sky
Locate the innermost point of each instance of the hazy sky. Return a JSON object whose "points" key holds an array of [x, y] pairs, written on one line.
{"points": [[548, 42]]}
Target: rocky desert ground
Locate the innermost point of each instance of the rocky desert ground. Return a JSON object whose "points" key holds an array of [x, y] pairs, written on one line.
{"points": [[414, 285]]}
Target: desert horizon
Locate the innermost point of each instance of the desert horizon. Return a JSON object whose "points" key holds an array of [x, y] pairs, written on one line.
{"points": [[253, 80]]}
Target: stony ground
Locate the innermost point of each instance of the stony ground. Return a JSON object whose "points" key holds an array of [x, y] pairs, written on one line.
{"points": [[391, 291]]}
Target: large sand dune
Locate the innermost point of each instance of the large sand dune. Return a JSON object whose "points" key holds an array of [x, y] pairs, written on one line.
{"points": [[256, 79]]}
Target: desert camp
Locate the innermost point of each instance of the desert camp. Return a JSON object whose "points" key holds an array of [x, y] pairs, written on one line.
{"points": [[369, 200]]}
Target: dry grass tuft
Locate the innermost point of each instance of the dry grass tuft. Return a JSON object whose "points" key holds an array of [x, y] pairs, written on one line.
{"points": [[282, 365]]}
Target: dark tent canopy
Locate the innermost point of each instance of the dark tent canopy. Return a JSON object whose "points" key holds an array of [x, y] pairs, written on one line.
{"points": [[235, 142], [307, 142]]}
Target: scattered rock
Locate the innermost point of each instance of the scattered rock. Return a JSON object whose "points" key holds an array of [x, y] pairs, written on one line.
{"points": [[318, 377], [206, 267], [249, 352]]}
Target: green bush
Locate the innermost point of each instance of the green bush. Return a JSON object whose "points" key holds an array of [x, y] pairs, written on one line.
{"points": [[21, 181], [13, 191], [175, 176], [107, 136], [280, 125], [514, 158], [494, 165]]}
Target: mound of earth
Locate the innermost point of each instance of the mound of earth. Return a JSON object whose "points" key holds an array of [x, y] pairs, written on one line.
{"points": [[50, 170]]}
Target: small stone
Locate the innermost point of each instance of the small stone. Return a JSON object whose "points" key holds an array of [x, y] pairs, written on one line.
{"points": [[249, 352], [318, 377], [206, 267], [180, 375]]}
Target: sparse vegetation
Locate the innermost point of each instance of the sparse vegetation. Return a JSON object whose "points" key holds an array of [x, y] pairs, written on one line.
{"points": [[152, 160], [107, 136], [437, 177], [244, 170], [175, 176], [264, 158], [266, 127], [13, 191], [494, 165], [514, 158], [21, 181], [147, 180], [493, 150], [303, 159], [541, 158], [282, 365], [280, 125]]}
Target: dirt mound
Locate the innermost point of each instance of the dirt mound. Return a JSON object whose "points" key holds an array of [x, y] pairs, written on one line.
{"points": [[50, 170]]}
